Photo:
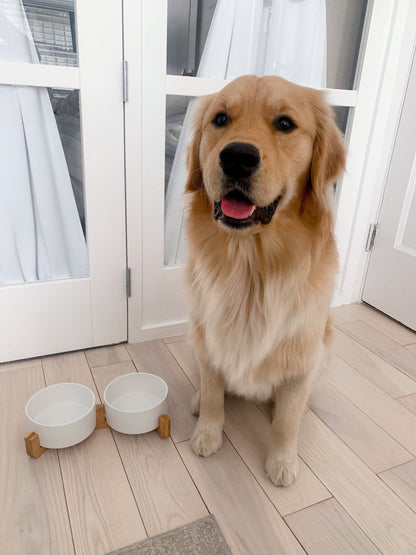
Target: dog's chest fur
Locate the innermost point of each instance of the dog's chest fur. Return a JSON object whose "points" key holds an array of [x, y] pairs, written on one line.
{"points": [[248, 312]]}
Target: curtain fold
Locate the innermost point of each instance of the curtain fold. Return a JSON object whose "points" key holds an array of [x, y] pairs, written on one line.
{"points": [[262, 37], [41, 236]]}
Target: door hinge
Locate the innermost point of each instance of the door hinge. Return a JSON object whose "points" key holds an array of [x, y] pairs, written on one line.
{"points": [[371, 237], [128, 282], [125, 91]]}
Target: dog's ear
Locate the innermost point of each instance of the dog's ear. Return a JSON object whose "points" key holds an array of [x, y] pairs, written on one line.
{"points": [[195, 179], [328, 158]]}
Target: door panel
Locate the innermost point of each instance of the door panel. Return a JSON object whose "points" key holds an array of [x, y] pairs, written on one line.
{"points": [[83, 121], [391, 276]]}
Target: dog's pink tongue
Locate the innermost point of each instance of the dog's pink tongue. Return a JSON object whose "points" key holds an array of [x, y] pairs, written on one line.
{"points": [[237, 209]]}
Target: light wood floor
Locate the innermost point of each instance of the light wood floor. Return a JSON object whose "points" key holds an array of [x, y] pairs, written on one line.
{"points": [[356, 493]]}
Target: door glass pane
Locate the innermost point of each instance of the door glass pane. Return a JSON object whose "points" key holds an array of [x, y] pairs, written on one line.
{"points": [[176, 107], [188, 25], [341, 114], [312, 43], [38, 31], [42, 222], [175, 175]]}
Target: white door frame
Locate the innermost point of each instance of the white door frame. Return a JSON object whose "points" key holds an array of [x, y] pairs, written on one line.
{"points": [[156, 302], [61, 315]]}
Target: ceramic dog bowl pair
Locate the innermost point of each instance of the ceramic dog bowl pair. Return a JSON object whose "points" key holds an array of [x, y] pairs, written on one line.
{"points": [[64, 414]]}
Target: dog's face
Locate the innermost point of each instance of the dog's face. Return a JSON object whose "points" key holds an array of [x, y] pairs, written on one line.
{"points": [[258, 143]]}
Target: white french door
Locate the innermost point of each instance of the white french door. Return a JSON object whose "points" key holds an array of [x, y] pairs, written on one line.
{"points": [[391, 275], [157, 88], [163, 48], [74, 63]]}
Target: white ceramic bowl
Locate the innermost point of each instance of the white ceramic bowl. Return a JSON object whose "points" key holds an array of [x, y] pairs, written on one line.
{"points": [[62, 415], [134, 402]]}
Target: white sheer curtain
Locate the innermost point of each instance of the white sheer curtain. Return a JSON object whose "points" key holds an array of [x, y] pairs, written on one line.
{"points": [[40, 231], [276, 37]]}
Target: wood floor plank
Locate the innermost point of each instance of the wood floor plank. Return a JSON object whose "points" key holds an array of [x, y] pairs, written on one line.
{"points": [[363, 436], [411, 347], [101, 356], [327, 529], [102, 509], [383, 323], [164, 491], [388, 413], [245, 515], [103, 375], [155, 357], [409, 402], [402, 480], [382, 516], [33, 512], [69, 367], [19, 364], [373, 367], [249, 431], [267, 408], [383, 346], [174, 338], [340, 315], [103, 512], [183, 354]]}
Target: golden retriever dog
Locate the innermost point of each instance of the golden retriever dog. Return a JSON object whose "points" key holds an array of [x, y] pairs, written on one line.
{"points": [[262, 257]]}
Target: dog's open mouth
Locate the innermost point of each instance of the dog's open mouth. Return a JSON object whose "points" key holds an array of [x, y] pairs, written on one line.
{"points": [[237, 211]]}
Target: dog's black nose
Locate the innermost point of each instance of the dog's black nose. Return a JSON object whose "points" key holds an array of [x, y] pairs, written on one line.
{"points": [[239, 159]]}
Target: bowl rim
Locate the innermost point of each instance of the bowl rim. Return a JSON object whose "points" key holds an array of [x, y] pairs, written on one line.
{"points": [[106, 402], [53, 386]]}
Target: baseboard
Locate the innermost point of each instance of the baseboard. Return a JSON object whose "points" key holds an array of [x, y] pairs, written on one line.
{"points": [[159, 332]]}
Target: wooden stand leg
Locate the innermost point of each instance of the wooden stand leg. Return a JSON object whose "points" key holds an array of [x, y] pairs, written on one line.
{"points": [[164, 426], [101, 421], [33, 447]]}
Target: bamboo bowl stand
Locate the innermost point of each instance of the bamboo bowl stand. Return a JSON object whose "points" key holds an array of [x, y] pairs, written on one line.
{"points": [[35, 450]]}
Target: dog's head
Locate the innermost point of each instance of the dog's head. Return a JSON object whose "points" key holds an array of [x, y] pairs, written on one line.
{"points": [[258, 144]]}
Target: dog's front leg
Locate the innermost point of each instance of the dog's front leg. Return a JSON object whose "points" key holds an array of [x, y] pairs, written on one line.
{"points": [[207, 437], [282, 465]]}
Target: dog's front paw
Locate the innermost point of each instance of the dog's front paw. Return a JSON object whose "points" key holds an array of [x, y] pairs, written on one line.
{"points": [[282, 470], [206, 441]]}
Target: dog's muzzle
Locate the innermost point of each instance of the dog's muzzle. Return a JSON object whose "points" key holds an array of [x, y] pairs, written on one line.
{"points": [[237, 211], [239, 162]]}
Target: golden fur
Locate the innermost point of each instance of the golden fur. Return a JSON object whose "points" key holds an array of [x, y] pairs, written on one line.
{"points": [[260, 296]]}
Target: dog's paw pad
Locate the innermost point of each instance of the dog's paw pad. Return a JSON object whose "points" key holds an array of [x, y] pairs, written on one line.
{"points": [[205, 443], [195, 403], [282, 472]]}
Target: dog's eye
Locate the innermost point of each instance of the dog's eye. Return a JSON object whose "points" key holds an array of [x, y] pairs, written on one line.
{"points": [[284, 123], [221, 119]]}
